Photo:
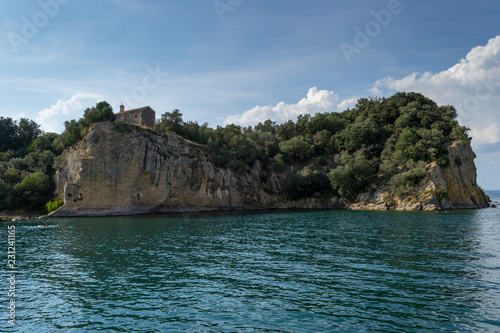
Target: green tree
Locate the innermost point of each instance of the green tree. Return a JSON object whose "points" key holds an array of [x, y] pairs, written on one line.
{"points": [[101, 112], [170, 122], [17, 136], [405, 180], [306, 183], [12, 176], [351, 177], [44, 142], [363, 131], [266, 126], [406, 144], [72, 133], [5, 195], [32, 192], [297, 148], [28, 130], [53, 205], [75, 130], [8, 129]]}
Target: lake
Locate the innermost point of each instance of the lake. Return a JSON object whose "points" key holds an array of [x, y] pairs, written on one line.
{"points": [[272, 271]]}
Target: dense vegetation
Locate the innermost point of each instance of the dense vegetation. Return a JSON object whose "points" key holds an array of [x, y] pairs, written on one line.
{"points": [[381, 141], [75, 130], [29, 158]]}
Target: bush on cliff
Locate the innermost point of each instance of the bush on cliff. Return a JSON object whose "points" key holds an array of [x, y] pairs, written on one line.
{"points": [[306, 183], [75, 130], [352, 176]]}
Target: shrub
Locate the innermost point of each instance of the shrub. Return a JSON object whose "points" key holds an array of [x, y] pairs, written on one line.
{"points": [[405, 180], [441, 194], [122, 127], [352, 177], [297, 148], [53, 205], [306, 183], [32, 191]]}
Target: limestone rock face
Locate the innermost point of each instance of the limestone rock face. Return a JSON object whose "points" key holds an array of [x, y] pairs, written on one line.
{"points": [[111, 173], [133, 170], [457, 181], [453, 187]]}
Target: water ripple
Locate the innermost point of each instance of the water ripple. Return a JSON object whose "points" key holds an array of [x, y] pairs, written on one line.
{"points": [[266, 272]]}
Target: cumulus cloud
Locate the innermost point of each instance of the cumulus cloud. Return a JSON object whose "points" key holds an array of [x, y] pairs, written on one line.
{"points": [[347, 104], [487, 135], [52, 119], [315, 101], [472, 86]]}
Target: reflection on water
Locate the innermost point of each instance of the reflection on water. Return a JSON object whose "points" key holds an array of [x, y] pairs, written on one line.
{"points": [[268, 271]]}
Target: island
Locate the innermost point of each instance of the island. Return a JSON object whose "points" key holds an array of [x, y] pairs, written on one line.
{"points": [[399, 153]]}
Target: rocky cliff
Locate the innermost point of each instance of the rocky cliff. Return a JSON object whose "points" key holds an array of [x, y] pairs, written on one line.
{"points": [[454, 187], [132, 170]]}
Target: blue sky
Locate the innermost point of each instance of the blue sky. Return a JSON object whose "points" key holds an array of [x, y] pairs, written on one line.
{"points": [[247, 60]]}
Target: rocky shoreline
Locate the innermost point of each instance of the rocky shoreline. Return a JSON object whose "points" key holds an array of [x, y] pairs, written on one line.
{"points": [[357, 206], [17, 218]]}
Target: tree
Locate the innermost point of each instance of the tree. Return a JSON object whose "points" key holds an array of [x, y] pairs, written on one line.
{"points": [[45, 142], [362, 131], [17, 136], [407, 179], [28, 130], [406, 144], [286, 130], [322, 140], [101, 112], [306, 183], [5, 195], [351, 177], [170, 122], [74, 130], [266, 126], [297, 148], [33, 191], [72, 133], [8, 131]]}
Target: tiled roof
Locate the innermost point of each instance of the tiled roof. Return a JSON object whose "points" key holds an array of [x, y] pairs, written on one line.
{"points": [[138, 109]]}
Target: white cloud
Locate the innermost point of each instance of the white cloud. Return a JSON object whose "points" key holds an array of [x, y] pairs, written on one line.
{"points": [[487, 135], [52, 119], [472, 86], [316, 101], [347, 104]]}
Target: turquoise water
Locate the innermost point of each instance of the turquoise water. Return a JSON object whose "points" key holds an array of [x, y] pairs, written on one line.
{"points": [[321, 271]]}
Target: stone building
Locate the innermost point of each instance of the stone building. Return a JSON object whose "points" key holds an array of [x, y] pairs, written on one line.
{"points": [[144, 116]]}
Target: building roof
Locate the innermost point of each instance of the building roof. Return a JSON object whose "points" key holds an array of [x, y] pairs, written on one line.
{"points": [[137, 109]]}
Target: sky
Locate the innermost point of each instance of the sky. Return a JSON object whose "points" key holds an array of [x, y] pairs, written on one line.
{"points": [[245, 61]]}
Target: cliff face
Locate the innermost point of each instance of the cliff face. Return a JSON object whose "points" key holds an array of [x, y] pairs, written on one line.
{"points": [[454, 187], [133, 170]]}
